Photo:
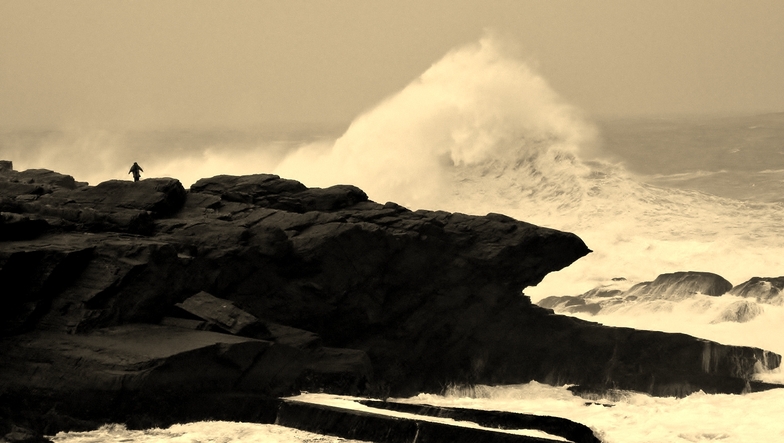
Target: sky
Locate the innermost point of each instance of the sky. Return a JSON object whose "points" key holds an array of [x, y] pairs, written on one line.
{"points": [[195, 63]]}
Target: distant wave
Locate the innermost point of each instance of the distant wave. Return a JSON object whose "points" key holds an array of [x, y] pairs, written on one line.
{"points": [[686, 175]]}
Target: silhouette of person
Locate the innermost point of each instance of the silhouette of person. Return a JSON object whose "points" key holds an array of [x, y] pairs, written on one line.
{"points": [[136, 169]]}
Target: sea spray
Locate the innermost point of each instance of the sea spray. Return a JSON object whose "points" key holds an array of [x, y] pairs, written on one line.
{"points": [[481, 132], [476, 109]]}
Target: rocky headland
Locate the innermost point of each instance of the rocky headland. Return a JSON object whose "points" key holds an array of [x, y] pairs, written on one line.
{"points": [[148, 304]]}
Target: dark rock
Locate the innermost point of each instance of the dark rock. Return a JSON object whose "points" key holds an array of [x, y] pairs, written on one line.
{"points": [[763, 289], [296, 338], [336, 370], [224, 315], [120, 206], [42, 180], [572, 431], [45, 176], [680, 285], [739, 312], [20, 227], [367, 426], [23, 435], [569, 304], [31, 278], [128, 371], [158, 196], [196, 325], [555, 301], [345, 423], [357, 297], [248, 188], [270, 191], [673, 287]]}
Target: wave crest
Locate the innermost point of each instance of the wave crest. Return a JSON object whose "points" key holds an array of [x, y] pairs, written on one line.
{"points": [[475, 113]]}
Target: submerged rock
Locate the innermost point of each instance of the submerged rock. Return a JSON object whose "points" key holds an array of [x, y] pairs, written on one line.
{"points": [[739, 312]]}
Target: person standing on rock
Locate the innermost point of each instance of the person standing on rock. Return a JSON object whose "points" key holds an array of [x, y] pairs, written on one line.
{"points": [[136, 169]]}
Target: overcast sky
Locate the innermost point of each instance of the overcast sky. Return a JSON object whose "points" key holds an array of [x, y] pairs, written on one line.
{"points": [[242, 63]]}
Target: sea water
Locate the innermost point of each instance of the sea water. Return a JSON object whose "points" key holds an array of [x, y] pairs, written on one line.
{"points": [[481, 131]]}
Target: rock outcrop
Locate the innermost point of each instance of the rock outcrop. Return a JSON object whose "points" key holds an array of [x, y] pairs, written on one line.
{"points": [[739, 312], [668, 289], [124, 294], [765, 290], [373, 424], [679, 285]]}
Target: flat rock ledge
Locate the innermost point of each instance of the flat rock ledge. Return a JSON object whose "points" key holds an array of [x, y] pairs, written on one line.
{"points": [[147, 304], [416, 427]]}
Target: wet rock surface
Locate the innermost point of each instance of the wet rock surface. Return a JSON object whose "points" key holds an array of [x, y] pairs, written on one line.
{"points": [[374, 425], [295, 289], [766, 290], [674, 287], [574, 432]]}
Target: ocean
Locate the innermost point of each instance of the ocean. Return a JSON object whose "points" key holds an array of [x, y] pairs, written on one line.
{"points": [[482, 132]]}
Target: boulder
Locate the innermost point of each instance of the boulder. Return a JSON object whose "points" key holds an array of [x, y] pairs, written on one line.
{"points": [[739, 312], [681, 285], [223, 314], [765, 290]]}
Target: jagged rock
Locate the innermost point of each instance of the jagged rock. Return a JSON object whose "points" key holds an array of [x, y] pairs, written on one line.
{"points": [[248, 188], [46, 176], [31, 277], [223, 314], [120, 206], [739, 312], [36, 177], [763, 289], [358, 297]]}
